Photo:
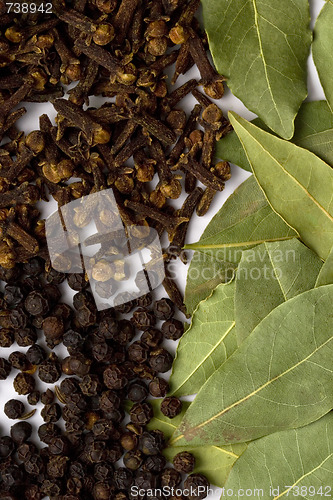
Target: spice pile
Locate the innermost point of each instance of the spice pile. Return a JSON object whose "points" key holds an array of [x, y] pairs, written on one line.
{"points": [[141, 144]]}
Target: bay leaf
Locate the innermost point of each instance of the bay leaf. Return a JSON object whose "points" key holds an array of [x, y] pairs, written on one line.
{"points": [[279, 378], [267, 276], [208, 342], [297, 184], [313, 131], [322, 50], [325, 276], [297, 463], [262, 49], [213, 461], [245, 220]]}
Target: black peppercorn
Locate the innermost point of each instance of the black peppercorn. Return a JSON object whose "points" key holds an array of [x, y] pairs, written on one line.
{"points": [[129, 441], [5, 368], [171, 406], [51, 413], [160, 360], [36, 303], [33, 398], [18, 318], [143, 318], [36, 354], [114, 377], [72, 340], [54, 277], [108, 327], [19, 361], [158, 387], [24, 383], [6, 337], [47, 397], [133, 459], [25, 451], [77, 281], [25, 337], [6, 446], [49, 371], [145, 300], [152, 337], [96, 452], [195, 483], [141, 413], [59, 445], [138, 352], [104, 429], [115, 452], [172, 329], [137, 392], [163, 308], [151, 443], [20, 432], [33, 267], [69, 385], [154, 463], [170, 478], [184, 462], [48, 431], [125, 332], [34, 465], [123, 478], [102, 490], [109, 401], [90, 385], [145, 480], [13, 295], [53, 327], [102, 352]]}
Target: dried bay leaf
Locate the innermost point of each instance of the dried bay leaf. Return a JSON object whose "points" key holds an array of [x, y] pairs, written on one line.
{"points": [[313, 131], [297, 463], [322, 50], [244, 221], [325, 276], [279, 378], [207, 343], [262, 48], [297, 184], [269, 275], [213, 461]]}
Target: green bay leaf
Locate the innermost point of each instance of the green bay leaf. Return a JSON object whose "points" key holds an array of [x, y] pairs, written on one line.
{"points": [[262, 48], [322, 50], [281, 377], [245, 220], [297, 184], [269, 275], [287, 464], [325, 276], [214, 462], [207, 343], [313, 131]]}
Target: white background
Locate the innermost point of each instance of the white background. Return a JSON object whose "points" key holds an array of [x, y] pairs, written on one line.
{"points": [[31, 122]]}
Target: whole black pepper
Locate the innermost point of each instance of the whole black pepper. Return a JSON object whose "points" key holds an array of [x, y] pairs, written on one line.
{"points": [[170, 478], [24, 383], [133, 459], [25, 451], [129, 441], [141, 413], [138, 352], [184, 462], [152, 337], [123, 478], [158, 387], [143, 318], [36, 354], [51, 413], [6, 337], [151, 443], [163, 308], [77, 281], [20, 432], [90, 385], [171, 406], [154, 463], [13, 295], [25, 337], [195, 483], [49, 371], [7, 446], [48, 431], [172, 329], [160, 360], [19, 361], [36, 304], [33, 398], [137, 392], [47, 397], [59, 445], [5, 368], [114, 377]]}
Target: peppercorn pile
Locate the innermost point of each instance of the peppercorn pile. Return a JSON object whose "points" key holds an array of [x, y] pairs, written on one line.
{"points": [[141, 144]]}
